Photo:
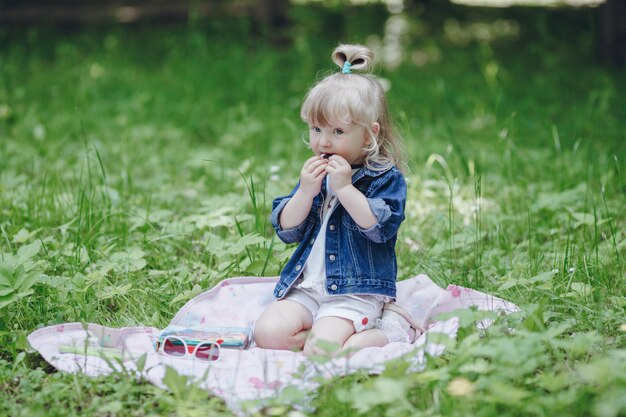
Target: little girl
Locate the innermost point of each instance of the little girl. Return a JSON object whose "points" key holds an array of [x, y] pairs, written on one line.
{"points": [[345, 213]]}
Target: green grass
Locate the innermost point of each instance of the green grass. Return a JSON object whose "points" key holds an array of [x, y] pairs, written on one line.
{"points": [[138, 167]]}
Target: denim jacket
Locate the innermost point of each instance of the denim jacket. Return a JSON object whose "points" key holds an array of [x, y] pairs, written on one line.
{"points": [[358, 261]]}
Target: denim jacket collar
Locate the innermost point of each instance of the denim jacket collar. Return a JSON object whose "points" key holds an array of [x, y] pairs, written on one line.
{"points": [[361, 173], [365, 171]]}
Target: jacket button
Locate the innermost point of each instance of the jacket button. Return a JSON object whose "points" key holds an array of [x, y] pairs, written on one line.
{"points": [[332, 257], [331, 227], [333, 287], [281, 292], [312, 241], [298, 267]]}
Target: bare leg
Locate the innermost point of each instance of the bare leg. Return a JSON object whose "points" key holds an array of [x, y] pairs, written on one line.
{"points": [[366, 338], [328, 336], [284, 325], [338, 336]]}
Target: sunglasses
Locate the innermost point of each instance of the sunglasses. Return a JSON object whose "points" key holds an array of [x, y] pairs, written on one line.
{"points": [[177, 347]]}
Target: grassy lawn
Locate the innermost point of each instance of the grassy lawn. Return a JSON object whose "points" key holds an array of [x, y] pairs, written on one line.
{"points": [[138, 166]]}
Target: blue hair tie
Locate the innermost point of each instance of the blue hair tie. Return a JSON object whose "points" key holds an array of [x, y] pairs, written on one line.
{"points": [[346, 67]]}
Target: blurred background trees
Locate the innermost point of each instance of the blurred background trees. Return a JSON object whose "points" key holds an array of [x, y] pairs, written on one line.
{"points": [[271, 18]]}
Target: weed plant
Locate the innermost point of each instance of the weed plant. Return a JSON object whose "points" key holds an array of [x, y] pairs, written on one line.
{"points": [[138, 166]]}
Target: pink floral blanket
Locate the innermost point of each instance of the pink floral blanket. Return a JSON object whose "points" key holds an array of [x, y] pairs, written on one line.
{"points": [[252, 378]]}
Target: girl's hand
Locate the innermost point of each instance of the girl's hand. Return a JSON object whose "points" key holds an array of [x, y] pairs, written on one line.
{"points": [[340, 172], [311, 176]]}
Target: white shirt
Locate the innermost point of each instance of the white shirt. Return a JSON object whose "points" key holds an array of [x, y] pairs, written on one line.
{"points": [[314, 274]]}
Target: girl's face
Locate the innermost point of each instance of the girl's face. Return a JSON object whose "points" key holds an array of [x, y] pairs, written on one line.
{"points": [[345, 140]]}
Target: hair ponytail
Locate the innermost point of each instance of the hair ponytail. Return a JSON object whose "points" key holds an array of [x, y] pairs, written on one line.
{"points": [[361, 59]]}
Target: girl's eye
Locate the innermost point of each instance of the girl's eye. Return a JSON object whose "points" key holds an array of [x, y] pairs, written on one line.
{"points": [[316, 129], [338, 131]]}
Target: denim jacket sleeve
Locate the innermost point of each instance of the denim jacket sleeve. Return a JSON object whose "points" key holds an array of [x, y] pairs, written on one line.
{"points": [[291, 235], [387, 198]]}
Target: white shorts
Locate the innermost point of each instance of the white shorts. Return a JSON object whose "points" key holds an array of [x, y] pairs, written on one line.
{"points": [[363, 310]]}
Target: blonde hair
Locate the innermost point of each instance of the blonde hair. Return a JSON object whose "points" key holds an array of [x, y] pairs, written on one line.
{"points": [[356, 98]]}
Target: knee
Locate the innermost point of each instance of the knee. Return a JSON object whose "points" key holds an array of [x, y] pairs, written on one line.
{"points": [[270, 334], [264, 333], [366, 338], [310, 349], [352, 346], [320, 347], [307, 349]]}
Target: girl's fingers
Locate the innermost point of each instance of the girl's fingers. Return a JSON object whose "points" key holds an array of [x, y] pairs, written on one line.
{"points": [[338, 159], [312, 160], [336, 166], [308, 162], [320, 177], [312, 166], [321, 169]]}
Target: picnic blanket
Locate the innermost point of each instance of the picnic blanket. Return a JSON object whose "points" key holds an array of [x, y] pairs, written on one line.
{"points": [[252, 378]]}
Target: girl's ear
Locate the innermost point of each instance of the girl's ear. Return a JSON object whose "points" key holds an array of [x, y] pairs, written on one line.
{"points": [[375, 128]]}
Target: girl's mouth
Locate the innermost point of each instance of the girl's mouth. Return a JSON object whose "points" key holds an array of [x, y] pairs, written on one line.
{"points": [[327, 155]]}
